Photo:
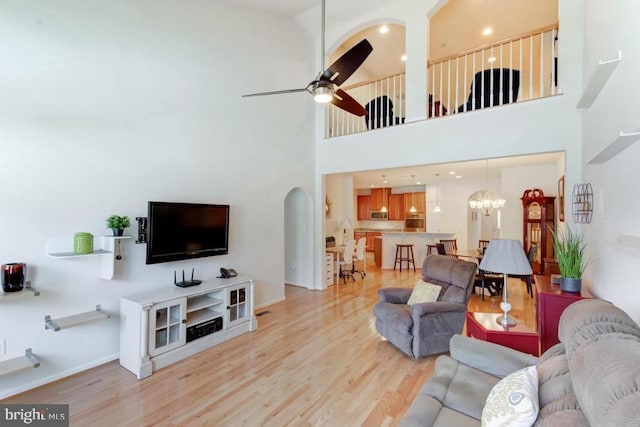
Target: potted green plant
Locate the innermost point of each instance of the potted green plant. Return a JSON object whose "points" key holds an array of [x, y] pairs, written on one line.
{"points": [[118, 224], [569, 247]]}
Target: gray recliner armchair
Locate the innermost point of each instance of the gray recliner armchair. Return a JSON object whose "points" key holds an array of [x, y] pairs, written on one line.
{"points": [[423, 329]]}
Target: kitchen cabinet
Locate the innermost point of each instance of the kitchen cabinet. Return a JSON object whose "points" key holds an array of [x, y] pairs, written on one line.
{"points": [[364, 208], [379, 198], [419, 200], [396, 207], [377, 251], [357, 235], [371, 235]]}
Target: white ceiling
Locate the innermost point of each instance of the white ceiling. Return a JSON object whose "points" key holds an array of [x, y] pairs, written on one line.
{"points": [[296, 7]]}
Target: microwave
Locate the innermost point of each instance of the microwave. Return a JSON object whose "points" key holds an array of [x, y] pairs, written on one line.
{"points": [[414, 222], [379, 215]]}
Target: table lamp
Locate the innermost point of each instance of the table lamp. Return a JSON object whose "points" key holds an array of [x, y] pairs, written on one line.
{"points": [[507, 257], [345, 224]]}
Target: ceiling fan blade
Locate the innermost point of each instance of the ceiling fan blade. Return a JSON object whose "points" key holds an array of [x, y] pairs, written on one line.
{"points": [[276, 92], [347, 64], [343, 100]]}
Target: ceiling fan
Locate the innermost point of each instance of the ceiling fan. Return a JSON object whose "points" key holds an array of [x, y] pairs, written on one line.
{"points": [[325, 87]]}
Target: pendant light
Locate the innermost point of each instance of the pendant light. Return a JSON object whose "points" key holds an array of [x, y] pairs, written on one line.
{"points": [[384, 205], [484, 200], [437, 208], [413, 209]]}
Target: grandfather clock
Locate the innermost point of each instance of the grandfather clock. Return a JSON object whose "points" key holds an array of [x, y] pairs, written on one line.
{"points": [[538, 222]]}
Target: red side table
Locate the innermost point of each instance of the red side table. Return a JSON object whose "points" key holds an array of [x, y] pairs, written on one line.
{"points": [[483, 326]]}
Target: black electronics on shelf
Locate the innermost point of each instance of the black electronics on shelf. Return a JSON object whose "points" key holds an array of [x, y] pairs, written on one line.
{"points": [[185, 283], [142, 229]]}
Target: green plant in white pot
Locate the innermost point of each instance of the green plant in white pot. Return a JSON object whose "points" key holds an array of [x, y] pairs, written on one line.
{"points": [[118, 224], [569, 247]]}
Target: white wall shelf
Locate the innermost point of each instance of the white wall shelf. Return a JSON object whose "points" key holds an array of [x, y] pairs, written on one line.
{"points": [[28, 291], [29, 360], [598, 79], [106, 252], [621, 143], [77, 319]]}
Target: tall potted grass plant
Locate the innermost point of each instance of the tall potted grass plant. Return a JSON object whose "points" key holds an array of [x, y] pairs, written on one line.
{"points": [[569, 247]]}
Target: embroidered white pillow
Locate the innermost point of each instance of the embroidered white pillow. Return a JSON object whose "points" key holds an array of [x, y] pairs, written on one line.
{"points": [[513, 401], [424, 292]]}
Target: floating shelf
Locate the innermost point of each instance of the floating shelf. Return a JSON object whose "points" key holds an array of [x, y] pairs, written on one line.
{"points": [[621, 143], [77, 319], [106, 252], [28, 291], [598, 79], [29, 360], [73, 255]]}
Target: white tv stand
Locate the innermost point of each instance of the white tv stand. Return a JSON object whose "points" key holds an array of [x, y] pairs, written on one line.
{"points": [[153, 325]]}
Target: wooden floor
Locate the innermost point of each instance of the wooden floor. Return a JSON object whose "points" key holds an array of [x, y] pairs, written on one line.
{"points": [[315, 359]]}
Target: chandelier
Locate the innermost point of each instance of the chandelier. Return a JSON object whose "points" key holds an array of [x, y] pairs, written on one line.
{"points": [[484, 200]]}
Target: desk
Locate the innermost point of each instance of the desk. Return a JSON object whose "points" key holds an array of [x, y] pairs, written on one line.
{"points": [[335, 252], [520, 337]]}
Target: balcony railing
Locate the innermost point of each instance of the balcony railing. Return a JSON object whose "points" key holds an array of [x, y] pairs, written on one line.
{"points": [[516, 69], [383, 99]]}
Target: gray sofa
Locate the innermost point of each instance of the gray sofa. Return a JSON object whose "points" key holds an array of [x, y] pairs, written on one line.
{"points": [[423, 329], [591, 378]]}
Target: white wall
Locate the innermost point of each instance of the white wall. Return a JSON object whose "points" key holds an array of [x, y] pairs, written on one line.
{"points": [[108, 105], [613, 273], [298, 244]]}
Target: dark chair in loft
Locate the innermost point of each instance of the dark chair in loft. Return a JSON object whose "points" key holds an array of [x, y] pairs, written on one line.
{"points": [[489, 82], [379, 112]]}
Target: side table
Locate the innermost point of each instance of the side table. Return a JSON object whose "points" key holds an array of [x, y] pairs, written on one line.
{"points": [[550, 303], [483, 326]]}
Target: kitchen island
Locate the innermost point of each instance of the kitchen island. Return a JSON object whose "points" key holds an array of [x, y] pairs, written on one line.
{"points": [[419, 239]]}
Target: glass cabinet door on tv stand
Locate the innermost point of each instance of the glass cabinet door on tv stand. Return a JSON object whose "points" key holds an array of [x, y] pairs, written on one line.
{"points": [[538, 225], [237, 305], [167, 326]]}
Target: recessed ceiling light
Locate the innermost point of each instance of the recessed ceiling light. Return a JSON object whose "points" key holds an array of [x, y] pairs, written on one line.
{"points": [[403, 58], [487, 31], [491, 59], [384, 29], [452, 172], [418, 182], [458, 176]]}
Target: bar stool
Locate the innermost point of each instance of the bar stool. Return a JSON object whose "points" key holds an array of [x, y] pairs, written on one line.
{"points": [[408, 257], [432, 249]]}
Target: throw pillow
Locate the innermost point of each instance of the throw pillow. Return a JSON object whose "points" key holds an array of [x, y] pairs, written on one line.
{"points": [[513, 401], [424, 292]]}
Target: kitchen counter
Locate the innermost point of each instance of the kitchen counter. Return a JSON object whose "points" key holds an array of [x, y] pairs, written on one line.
{"points": [[419, 239]]}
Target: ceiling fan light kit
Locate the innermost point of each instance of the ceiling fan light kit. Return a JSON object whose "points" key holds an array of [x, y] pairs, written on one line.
{"points": [[325, 88], [322, 94]]}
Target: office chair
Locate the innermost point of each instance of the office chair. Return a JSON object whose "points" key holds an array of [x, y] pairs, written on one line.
{"points": [[347, 259], [361, 257]]}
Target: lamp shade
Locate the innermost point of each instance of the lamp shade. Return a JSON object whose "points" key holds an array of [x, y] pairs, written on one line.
{"points": [[346, 224], [505, 256]]}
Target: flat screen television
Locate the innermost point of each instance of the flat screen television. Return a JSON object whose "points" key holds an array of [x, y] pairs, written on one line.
{"points": [[177, 231]]}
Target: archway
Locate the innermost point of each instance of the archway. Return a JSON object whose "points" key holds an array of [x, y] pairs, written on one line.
{"points": [[298, 239]]}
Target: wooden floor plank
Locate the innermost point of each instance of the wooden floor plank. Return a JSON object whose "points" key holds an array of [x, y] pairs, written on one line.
{"points": [[315, 360]]}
